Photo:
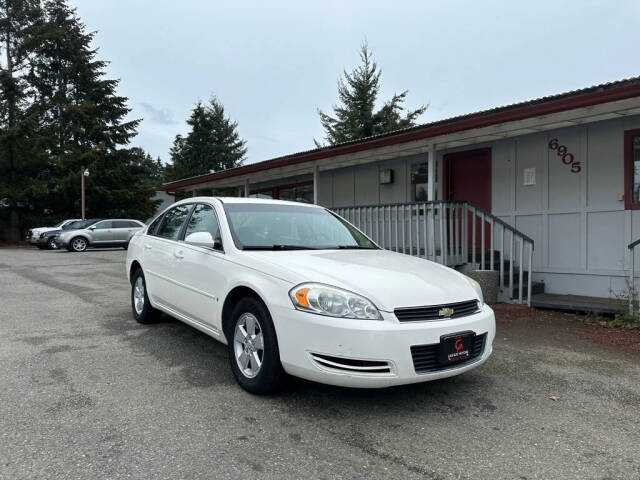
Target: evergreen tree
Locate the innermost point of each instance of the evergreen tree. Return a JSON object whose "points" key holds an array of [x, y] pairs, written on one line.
{"points": [[81, 115], [213, 143], [356, 117], [22, 160], [121, 184]]}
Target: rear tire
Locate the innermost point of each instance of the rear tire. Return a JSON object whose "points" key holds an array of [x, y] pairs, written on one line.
{"points": [[141, 308], [253, 348]]}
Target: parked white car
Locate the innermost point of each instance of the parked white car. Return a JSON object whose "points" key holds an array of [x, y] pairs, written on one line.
{"points": [[33, 234], [295, 289]]}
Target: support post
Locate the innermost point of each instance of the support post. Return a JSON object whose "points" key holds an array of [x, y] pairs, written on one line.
{"points": [[246, 187], [316, 183], [431, 173], [631, 281]]}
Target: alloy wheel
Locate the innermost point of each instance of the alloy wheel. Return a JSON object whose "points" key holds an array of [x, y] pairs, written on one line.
{"points": [[248, 345], [138, 295], [79, 244]]}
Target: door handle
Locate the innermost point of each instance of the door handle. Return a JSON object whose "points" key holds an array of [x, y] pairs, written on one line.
{"points": [[147, 246], [179, 255]]}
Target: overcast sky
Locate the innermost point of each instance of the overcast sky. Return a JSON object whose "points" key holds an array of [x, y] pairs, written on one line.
{"points": [[273, 63]]}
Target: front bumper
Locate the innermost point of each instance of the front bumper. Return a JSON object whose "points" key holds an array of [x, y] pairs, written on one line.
{"points": [[303, 336], [62, 242], [42, 241]]}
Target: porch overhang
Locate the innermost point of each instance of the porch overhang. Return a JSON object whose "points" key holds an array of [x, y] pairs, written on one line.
{"points": [[575, 108]]}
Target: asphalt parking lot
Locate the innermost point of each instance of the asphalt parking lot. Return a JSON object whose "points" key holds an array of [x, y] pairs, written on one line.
{"points": [[88, 393]]}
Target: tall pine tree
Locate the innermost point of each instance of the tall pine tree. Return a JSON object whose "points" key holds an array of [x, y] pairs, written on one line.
{"points": [[23, 163], [81, 114], [356, 116], [213, 143]]}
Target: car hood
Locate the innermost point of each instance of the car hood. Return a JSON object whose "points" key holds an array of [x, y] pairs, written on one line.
{"points": [[390, 280], [41, 229]]}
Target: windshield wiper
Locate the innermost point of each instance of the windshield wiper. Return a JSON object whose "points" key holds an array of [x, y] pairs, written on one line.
{"points": [[277, 247], [354, 247]]}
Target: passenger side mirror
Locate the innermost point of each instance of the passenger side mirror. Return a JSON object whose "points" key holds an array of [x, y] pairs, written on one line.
{"points": [[201, 239]]}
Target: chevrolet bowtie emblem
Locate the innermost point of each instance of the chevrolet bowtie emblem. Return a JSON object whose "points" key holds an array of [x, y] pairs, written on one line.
{"points": [[445, 312]]}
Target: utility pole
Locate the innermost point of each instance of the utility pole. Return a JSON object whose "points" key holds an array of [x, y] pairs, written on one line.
{"points": [[84, 172]]}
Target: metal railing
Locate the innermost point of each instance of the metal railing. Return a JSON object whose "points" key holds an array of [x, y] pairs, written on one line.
{"points": [[632, 291], [438, 231]]}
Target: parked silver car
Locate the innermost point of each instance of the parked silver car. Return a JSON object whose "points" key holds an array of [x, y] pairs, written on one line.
{"points": [[99, 233]]}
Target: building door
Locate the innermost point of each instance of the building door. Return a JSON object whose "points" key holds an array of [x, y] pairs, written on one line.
{"points": [[467, 176]]}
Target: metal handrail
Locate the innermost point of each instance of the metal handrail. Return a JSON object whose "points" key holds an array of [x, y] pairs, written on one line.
{"points": [[497, 220], [403, 226], [632, 270]]}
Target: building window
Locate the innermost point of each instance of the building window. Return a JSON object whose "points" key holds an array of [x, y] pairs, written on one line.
{"points": [[632, 169], [419, 182], [296, 192]]}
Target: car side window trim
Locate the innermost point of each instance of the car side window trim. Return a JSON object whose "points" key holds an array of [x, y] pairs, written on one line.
{"points": [[186, 221], [151, 231]]}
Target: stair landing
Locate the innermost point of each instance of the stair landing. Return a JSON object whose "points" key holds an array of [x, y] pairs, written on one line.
{"points": [[578, 303]]}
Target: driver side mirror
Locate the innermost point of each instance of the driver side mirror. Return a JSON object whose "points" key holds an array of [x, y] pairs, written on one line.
{"points": [[92, 227], [201, 239]]}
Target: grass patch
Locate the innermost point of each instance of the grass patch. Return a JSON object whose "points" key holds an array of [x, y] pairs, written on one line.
{"points": [[624, 320]]}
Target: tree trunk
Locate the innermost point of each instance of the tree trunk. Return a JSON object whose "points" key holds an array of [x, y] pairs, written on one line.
{"points": [[14, 226]]}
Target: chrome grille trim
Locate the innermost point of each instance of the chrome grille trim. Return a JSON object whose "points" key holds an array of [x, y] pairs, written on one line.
{"points": [[432, 312], [351, 364]]}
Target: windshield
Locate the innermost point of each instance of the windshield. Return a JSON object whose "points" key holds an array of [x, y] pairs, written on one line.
{"points": [[59, 224], [80, 224], [272, 226], [73, 225]]}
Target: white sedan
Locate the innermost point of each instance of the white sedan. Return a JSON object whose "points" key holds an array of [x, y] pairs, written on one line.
{"points": [[295, 289]]}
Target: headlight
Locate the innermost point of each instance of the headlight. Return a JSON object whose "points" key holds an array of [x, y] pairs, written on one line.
{"points": [[332, 302], [476, 287]]}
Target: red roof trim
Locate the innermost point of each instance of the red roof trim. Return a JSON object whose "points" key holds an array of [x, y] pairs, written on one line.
{"points": [[568, 101]]}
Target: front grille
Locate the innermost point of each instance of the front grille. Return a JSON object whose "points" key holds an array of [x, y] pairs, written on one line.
{"points": [[29, 233], [351, 364], [425, 357], [432, 312]]}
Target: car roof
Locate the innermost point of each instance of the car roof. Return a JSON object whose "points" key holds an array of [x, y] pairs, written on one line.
{"points": [[264, 201]]}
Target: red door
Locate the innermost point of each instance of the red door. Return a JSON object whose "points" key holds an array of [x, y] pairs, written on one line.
{"points": [[467, 176]]}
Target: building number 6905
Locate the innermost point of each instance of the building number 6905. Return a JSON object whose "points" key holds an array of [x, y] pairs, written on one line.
{"points": [[567, 158]]}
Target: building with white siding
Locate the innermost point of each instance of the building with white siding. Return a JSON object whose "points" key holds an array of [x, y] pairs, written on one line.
{"points": [[557, 176]]}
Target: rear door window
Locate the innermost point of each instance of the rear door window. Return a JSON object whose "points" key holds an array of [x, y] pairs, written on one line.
{"points": [[104, 225], [125, 224]]}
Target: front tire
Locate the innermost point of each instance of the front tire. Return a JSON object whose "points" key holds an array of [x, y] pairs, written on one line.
{"points": [[78, 244], [51, 244], [142, 310], [253, 349]]}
